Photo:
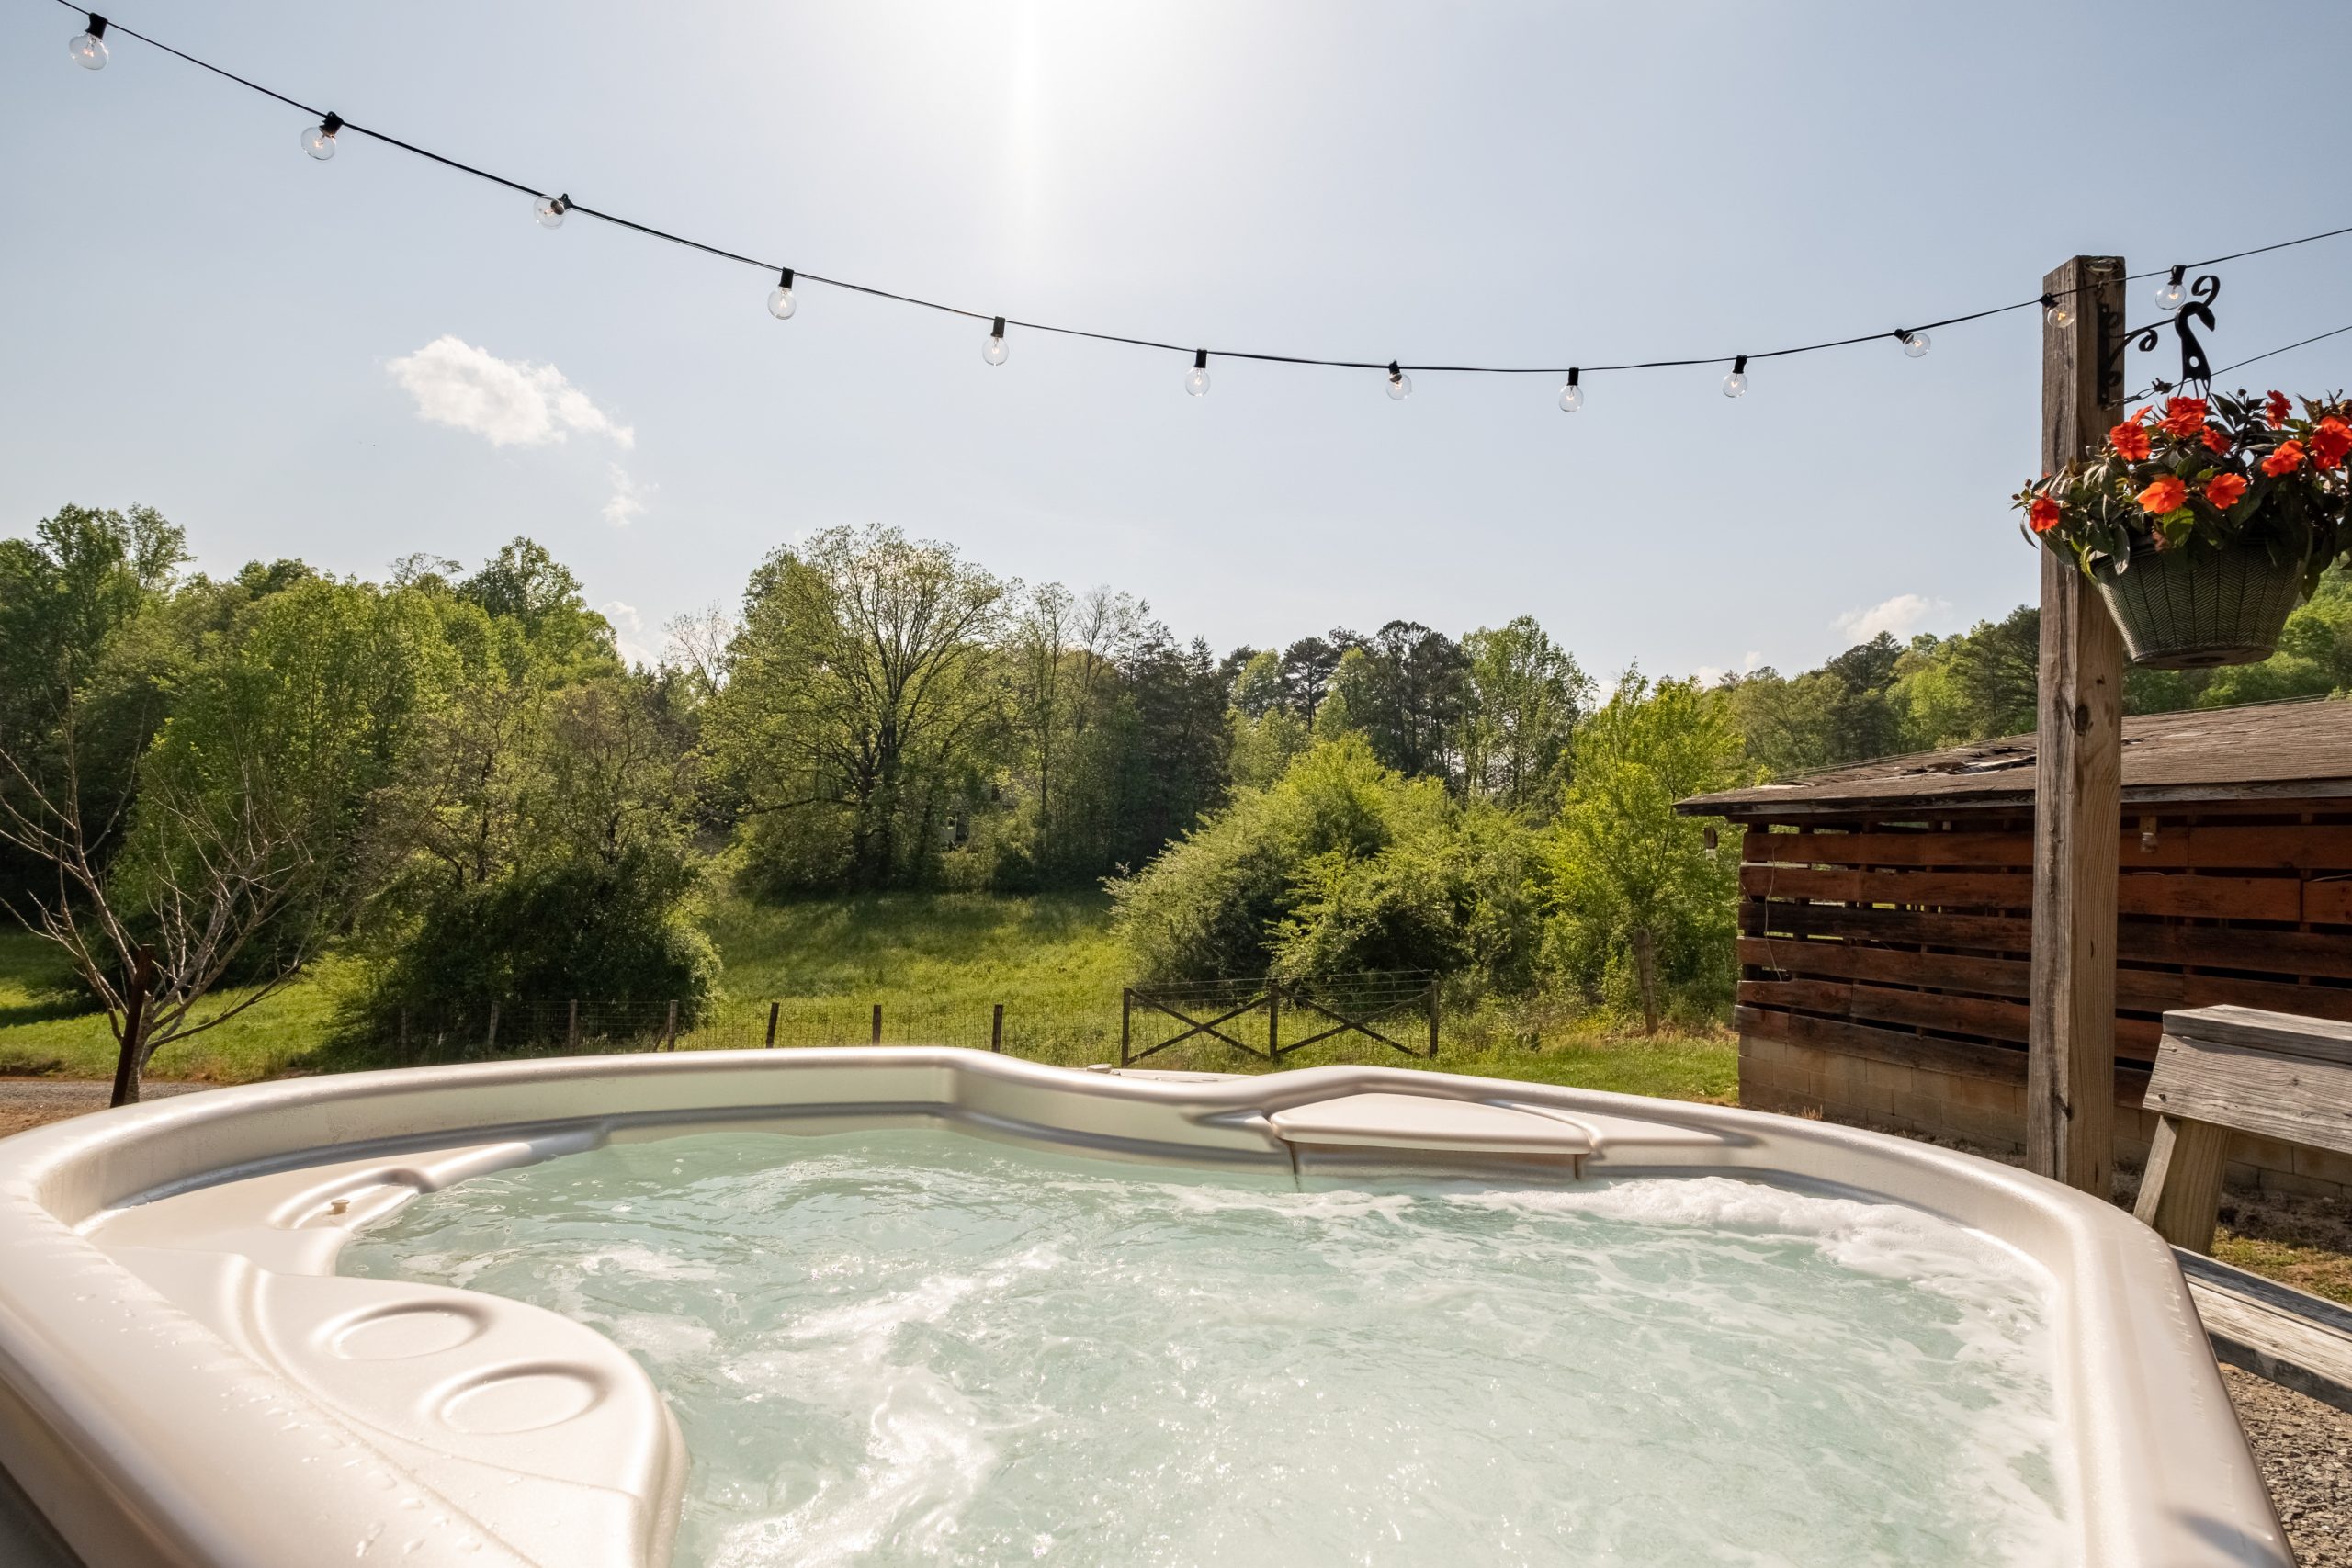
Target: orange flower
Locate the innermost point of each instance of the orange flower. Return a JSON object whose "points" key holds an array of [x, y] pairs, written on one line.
{"points": [[2042, 514], [2130, 442], [2183, 416], [2285, 460], [2275, 410], [2165, 495], [2216, 440], [2140, 414], [2330, 441], [2224, 490]]}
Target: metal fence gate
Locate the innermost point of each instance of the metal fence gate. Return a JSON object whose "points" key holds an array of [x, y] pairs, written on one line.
{"points": [[1248, 1015]]}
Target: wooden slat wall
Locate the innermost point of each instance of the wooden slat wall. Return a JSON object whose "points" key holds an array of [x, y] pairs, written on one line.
{"points": [[1910, 940]]}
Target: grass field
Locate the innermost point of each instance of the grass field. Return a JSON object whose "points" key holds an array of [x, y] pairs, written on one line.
{"points": [[937, 964]]}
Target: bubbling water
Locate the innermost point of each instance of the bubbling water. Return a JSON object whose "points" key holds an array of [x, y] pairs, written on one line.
{"points": [[916, 1346]]}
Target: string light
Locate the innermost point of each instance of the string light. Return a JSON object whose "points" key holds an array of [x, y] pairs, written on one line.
{"points": [[319, 141], [1196, 379], [89, 47], [781, 303], [89, 50]]}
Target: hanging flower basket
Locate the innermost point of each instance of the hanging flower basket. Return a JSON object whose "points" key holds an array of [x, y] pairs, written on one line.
{"points": [[2192, 608], [2206, 524]]}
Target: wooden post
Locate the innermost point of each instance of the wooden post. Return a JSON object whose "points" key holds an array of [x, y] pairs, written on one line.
{"points": [[1126, 1023], [996, 1028], [2078, 786], [774, 1009], [489, 1041], [2180, 1196], [1274, 1020], [670, 1029], [571, 1024], [1645, 974], [877, 1024], [1432, 1003]]}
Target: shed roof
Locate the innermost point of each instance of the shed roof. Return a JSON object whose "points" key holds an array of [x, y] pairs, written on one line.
{"points": [[2266, 752]]}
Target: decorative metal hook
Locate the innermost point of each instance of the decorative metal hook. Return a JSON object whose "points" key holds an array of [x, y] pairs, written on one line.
{"points": [[2195, 368]]}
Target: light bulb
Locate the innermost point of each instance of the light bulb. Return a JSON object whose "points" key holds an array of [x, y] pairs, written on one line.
{"points": [[1915, 344], [88, 47], [1400, 386], [1571, 394], [1196, 379], [995, 351], [319, 141], [551, 210], [781, 304], [2056, 313], [2170, 293], [1736, 383]]}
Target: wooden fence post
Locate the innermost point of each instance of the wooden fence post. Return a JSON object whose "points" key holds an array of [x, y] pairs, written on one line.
{"points": [[571, 1024], [1126, 1023], [670, 1029], [489, 1041], [1432, 1020], [403, 1034], [1273, 1018], [996, 1028], [2078, 784], [877, 1024], [774, 1009]]}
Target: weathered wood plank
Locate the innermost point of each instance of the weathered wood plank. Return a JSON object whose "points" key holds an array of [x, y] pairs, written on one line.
{"points": [[1852, 961], [1996, 933], [2294, 1338], [1961, 1058], [1964, 889], [2328, 902], [2287, 1034], [2213, 947], [1927, 1009], [2280, 846], [2212, 898], [2180, 1196], [2296, 1099], [1962, 849]]}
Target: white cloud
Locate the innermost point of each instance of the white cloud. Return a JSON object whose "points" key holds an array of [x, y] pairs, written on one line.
{"points": [[628, 501], [1900, 616], [509, 402], [1713, 675], [628, 625]]}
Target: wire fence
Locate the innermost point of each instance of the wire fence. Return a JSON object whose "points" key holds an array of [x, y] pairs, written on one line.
{"points": [[1062, 1032]]}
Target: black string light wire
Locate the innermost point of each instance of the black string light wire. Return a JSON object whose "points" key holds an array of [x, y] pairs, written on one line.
{"points": [[88, 48]]}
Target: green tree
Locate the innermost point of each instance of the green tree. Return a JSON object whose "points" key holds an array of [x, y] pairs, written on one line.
{"points": [[1525, 694], [859, 703], [1636, 895], [253, 814]]}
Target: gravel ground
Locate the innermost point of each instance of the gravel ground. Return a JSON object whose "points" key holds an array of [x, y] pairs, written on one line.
{"points": [[28, 1102], [2304, 1447]]}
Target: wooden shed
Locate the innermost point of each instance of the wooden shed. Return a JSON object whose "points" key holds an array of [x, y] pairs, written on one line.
{"points": [[1886, 921]]}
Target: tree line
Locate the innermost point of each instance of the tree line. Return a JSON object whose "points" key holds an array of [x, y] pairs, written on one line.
{"points": [[454, 778]]}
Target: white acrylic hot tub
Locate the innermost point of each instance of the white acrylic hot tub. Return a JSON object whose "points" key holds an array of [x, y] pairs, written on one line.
{"points": [[185, 1380]]}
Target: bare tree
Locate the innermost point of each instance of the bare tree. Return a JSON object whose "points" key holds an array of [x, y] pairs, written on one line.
{"points": [[250, 833]]}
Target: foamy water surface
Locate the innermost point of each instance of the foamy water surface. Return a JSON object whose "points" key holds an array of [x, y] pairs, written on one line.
{"points": [[920, 1348]]}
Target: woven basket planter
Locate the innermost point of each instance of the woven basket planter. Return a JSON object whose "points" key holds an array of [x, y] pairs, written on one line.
{"points": [[2192, 609]]}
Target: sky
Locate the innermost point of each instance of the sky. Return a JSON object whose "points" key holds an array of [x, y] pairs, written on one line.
{"points": [[351, 360]]}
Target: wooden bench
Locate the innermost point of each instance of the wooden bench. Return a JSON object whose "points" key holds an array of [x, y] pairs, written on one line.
{"points": [[2224, 1069]]}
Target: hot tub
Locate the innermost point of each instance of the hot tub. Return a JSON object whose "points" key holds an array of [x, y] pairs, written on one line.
{"points": [[186, 1378]]}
